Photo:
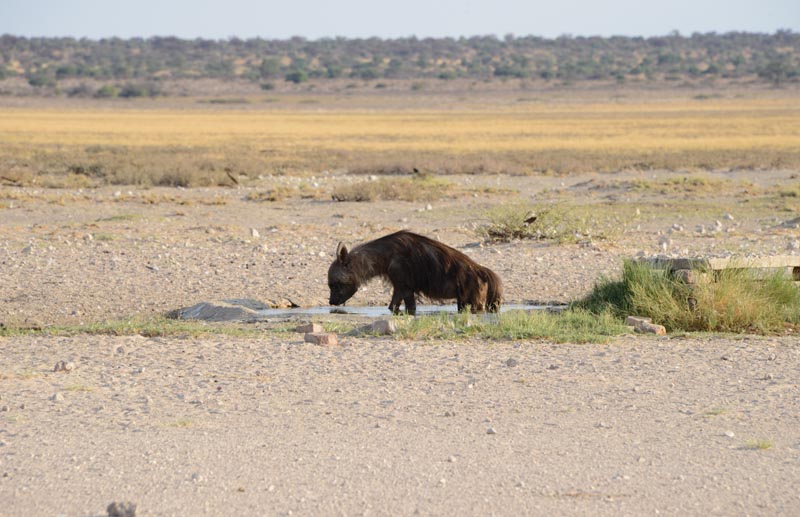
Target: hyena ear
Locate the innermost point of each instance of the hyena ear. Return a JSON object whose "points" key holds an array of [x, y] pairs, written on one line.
{"points": [[341, 253]]}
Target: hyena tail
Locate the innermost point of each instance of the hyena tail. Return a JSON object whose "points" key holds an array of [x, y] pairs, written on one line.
{"points": [[494, 291]]}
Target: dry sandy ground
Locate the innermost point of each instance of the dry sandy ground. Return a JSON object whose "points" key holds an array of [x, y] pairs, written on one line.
{"points": [[384, 427], [274, 426]]}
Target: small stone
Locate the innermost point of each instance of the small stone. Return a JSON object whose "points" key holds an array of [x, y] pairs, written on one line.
{"points": [[553, 367], [491, 430], [321, 338], [428, 207], [378, 327], [728, 217], [730, 434], [511, 362], [64, 366], [121, 510], [310, 328], [57, 397], [644, 326], [451, 459], [254, 233]]}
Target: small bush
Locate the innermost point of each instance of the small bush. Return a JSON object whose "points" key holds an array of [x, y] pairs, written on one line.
{"points": [[424, 188], [520, 221], [106, 91], [131, 90], [297, 76]]}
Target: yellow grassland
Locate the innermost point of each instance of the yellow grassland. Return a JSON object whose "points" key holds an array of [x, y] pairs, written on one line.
{"points": [[520, 138]]}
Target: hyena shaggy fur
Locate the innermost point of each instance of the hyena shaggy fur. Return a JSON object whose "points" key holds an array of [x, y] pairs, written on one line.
{"points": [[415, 265]]}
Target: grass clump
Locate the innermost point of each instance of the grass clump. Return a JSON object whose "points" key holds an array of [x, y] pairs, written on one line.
{"points": [[574, 326], [147, 327], [736, 300], [758, 445], [522, 221], [278, 193], [424, 188]]}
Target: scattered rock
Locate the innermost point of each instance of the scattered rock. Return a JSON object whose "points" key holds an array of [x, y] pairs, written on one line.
{"points": [[121, 509], [645, 326], [321, 338], [511, 362], [215, 311], [377, 328], [791, 223], [310, 328], [491, 431], [254, 233], [730, 434], [57, 397], [64, 366]]}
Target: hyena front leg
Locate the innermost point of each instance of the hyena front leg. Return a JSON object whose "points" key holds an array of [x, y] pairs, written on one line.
{"points": [[394, 305], [411, 303]]}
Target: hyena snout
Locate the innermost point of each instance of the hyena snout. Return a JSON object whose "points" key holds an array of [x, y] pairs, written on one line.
{"points": [[340, 293]]}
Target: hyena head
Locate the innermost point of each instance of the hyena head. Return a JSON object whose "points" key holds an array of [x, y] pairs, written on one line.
{"points": [[341, 280]]}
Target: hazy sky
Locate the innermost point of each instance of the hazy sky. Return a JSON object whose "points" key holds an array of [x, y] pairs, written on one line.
{"points": [[315, 19]]}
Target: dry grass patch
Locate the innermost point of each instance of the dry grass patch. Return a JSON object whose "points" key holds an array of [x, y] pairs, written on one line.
{"points": [[387, 189], [200, 147], [517, 221]]}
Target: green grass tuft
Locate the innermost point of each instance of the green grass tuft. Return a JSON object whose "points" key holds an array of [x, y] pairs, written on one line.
{"points": [[574, 326], [735, 301]]}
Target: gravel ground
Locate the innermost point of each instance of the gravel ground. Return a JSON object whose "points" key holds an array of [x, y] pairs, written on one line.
{"points": [[223, 426]]}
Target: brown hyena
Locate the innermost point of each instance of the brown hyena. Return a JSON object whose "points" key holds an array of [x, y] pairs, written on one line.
{"points": [[415, 265]]}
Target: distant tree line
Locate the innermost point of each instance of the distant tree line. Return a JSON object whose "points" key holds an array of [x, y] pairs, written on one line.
{"points": [[130, 62]]}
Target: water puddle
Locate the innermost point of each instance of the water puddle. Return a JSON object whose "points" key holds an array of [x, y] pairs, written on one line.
{"points": [[379, 312], [252, 310]]}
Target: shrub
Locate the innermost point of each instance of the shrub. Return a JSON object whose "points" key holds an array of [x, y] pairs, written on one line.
{"points": [[521, 221], [735, 301], [424, 188], [297, 76], [106, 91], [130, 90]]}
